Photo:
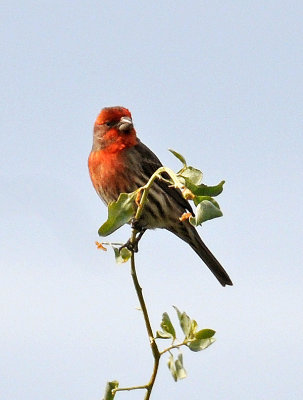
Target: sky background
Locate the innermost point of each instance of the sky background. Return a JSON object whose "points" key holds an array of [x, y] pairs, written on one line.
{"points": [[218, 81]]}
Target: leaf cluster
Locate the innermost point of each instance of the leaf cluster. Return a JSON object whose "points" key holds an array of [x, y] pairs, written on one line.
{"points": [[195, 339], [202, 195]]}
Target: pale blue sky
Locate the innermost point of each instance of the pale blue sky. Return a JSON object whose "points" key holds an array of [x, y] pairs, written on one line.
{"points": [[218, 81]]}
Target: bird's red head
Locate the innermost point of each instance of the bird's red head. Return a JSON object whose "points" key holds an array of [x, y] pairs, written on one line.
{"points": [[114, 130], [110, 114]]}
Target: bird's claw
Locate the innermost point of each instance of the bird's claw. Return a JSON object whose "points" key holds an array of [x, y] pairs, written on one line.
{"points": [[133, 246]]}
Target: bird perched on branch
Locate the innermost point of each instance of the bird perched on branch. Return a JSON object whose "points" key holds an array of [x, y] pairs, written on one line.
{"points": [[120, 163]]}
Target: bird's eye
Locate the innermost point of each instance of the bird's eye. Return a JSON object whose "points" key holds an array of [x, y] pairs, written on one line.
{"points": [[110, 123]]}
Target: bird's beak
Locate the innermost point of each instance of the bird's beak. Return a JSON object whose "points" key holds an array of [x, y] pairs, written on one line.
{"points": [[125, 124]]}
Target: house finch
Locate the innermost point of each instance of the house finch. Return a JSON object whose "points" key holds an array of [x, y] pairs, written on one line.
{"points": [[120, 163]]}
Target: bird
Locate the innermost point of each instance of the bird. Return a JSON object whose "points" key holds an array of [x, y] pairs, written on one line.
{"points": [[120, 163]]}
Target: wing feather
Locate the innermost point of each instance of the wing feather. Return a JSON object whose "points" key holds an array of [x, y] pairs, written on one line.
{"points": [[149, 164]]}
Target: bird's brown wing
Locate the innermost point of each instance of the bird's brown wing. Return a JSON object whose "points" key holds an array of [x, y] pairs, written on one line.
{"points": [[149, 164]]}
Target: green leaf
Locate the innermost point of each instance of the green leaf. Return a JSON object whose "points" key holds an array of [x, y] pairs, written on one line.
{"points": [[176, 367], [119, 213], [199, 199], [205, 210], [200, 344], [162, 335], [193, 328], [108, 395], [204, 190], [168, 328], [205, 334], [180, 370], [179, 157], [122, 255], [172, 367], [185, 322], [191, 174]]}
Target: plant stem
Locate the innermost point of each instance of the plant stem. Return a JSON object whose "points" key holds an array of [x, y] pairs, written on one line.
{"points": [[128, 389], [152, 341], [173, 346]]}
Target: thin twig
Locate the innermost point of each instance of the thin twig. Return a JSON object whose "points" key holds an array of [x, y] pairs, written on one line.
{"points": [[112, 243], [130, 388], [173, 346], [152, 341]]}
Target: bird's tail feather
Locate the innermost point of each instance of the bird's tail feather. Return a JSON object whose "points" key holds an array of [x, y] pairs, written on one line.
{"points": [[188, 233]]}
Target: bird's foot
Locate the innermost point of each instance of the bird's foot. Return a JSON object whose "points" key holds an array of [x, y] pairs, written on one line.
{"points": [[133, 246]]}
